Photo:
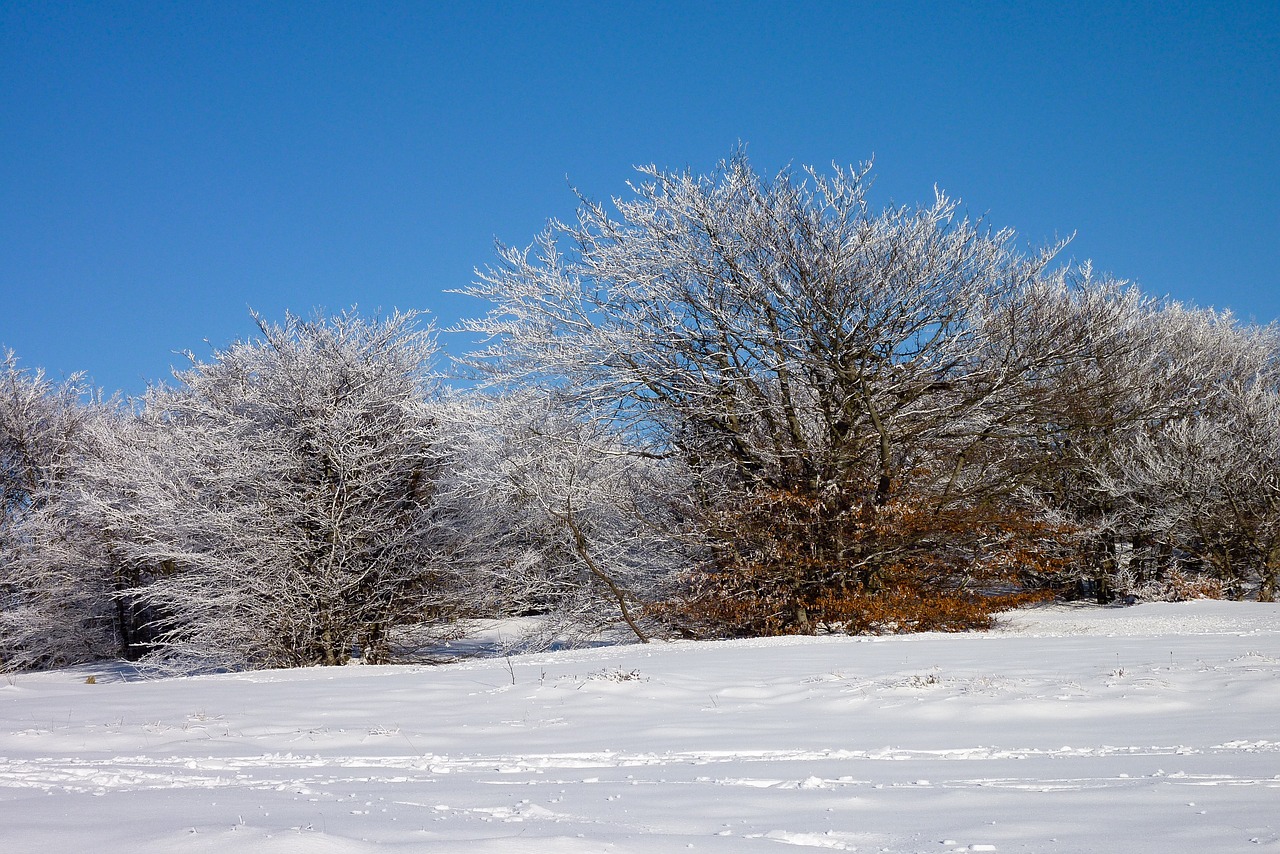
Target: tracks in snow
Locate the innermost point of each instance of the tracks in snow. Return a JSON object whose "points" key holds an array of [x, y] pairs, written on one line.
{"points": [[303, 772]]}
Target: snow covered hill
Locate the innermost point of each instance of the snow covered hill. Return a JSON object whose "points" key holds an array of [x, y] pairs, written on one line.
{"points": [[1068, 729]]}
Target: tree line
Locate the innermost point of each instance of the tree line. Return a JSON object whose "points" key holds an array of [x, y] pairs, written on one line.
{"points": [[722, 405]]}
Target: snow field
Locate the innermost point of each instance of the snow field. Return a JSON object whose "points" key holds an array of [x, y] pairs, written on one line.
{"points": [[1146, 729]]}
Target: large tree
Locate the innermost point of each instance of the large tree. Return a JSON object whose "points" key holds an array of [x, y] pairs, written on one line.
{"points": [[841, 367]]}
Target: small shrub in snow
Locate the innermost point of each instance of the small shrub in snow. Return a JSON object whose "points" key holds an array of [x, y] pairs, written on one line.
{"points": [[1177, 586]]}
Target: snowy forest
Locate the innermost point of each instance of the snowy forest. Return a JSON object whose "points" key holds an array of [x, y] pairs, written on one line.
{"points": [[723, 405]]}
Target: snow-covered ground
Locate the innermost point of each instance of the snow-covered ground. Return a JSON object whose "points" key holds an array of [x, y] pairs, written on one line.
{"points": [[1069, 729]]}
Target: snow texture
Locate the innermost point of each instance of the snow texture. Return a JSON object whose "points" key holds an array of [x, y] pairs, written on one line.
{"points": [[1067, 729]]}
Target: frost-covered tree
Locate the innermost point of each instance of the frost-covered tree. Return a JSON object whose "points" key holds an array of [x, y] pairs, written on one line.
{"points": [[281, 496], [41, 423], [556, 517], [1233, 522], [1154, 370], [56, 606], [1201, 491], [791, 345]]}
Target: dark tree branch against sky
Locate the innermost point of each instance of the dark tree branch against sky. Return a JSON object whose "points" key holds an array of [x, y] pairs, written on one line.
{"points": [[166, 166]]}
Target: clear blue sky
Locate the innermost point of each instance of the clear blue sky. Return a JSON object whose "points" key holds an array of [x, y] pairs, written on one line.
{"points": [[165, 166]]}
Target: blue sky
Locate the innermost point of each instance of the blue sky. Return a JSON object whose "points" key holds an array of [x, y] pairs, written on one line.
{"points": [[166, 166]]}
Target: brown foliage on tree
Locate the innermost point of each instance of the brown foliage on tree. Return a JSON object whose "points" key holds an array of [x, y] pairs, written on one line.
{"points": [[796, 563]]}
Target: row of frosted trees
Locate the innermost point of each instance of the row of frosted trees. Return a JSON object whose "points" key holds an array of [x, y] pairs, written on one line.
{"points": [[722, 405]]}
